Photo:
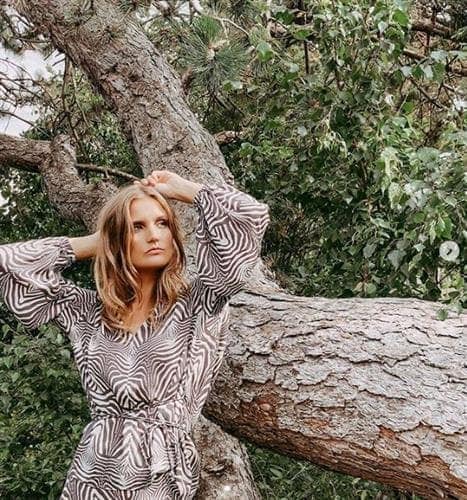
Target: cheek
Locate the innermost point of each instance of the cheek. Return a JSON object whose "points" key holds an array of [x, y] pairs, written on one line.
{"points": [[135, 243], [169, 238], [170, 242]]}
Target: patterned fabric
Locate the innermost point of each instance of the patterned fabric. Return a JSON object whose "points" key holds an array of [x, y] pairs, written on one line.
{"points": [[145, 390]]}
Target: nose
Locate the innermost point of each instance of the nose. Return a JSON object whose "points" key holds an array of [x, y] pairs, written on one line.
{"points": [[152, 233]]}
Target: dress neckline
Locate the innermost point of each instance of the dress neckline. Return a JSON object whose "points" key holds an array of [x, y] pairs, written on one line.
{"points": [[158, 328]]}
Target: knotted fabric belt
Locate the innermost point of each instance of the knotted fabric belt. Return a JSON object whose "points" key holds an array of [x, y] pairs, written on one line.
{"points": [[167, 441]]}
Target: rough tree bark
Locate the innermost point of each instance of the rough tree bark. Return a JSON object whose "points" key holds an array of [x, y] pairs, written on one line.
{"points": [[370, 387]]}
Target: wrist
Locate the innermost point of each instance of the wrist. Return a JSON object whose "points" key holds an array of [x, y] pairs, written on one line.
{"points": [[189, 191]]}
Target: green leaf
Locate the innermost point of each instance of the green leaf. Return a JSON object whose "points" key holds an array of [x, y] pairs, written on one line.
{"points": [[276, 472], [417, 72], [401, 18], [381, 223], [406, 71], [427, 70], [265, 51], [292, 67], [439, 55], [65, 353], [408, 107], [369, 250], [395, 256], [442, 314], [302, 34], [439, 71], [8, 361], [394, 193], [382, 25], [232, 85], [285, 16], [302, 131]]}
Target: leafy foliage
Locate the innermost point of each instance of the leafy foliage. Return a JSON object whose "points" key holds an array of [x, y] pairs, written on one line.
{"points": [[43, 408], [43, 412], [353, 140], [279, 478]]}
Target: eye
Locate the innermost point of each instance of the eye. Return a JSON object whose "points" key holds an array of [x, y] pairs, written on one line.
{"points": [[137, 226], [163, 222]]}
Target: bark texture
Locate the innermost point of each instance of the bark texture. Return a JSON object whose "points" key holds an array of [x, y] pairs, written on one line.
{"points": [[223, 460], [25, 154], [135, 80], [370, 387], [56, 161], [78, 201]]}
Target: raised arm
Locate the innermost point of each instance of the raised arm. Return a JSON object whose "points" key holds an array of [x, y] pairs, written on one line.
{"points": [[84, 247], [231, 226], [229, 234], [31, 284]]}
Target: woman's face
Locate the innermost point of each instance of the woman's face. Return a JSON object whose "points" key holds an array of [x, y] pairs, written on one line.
{"points": [[150, 230]]}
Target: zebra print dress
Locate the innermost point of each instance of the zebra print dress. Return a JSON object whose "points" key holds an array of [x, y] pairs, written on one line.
{"points": [[146, 390]]}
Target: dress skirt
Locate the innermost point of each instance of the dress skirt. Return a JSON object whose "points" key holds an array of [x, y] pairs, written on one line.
{"points": [[162, 488]]}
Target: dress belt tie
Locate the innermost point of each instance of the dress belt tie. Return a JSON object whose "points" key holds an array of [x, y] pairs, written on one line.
{"points": [[157, 431]]}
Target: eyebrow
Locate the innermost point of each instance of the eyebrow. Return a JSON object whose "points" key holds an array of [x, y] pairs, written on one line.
{"points": [[161, 217]]}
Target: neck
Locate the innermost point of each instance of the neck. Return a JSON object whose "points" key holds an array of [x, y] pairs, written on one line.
{"points": [[147, 286]]}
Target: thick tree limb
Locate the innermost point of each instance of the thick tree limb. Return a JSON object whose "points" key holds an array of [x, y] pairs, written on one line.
{"points": [[25, 154], [353, 384], [223, 460], [78, 201], [372, 387], [429, 27], [28, 154], [136, 81]]}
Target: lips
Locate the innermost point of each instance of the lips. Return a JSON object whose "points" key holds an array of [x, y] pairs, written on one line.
{"points": [[155, 250]]}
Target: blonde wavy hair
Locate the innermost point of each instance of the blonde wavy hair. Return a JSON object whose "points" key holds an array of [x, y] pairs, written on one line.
{"points": [[116, 278]]}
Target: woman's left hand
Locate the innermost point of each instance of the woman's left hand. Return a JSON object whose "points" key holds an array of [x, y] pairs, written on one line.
{"points": [[171, 185]]}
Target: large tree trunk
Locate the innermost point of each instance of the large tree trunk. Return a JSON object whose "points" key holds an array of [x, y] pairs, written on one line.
{"points": [[135, 80], [370, 387]]}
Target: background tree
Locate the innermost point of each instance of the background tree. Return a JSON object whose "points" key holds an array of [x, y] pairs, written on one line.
{"points": [[348, 119]]}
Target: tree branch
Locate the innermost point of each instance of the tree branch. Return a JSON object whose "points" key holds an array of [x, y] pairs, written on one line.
{"points": [[29, 154], [458, 70], [428, 27]]}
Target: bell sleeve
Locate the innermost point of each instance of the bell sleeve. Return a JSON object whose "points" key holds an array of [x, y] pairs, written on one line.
{"points": [[229, 233], [31, 284]]}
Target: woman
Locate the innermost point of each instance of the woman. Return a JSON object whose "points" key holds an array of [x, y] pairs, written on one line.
{"points": [[147, 345]]}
